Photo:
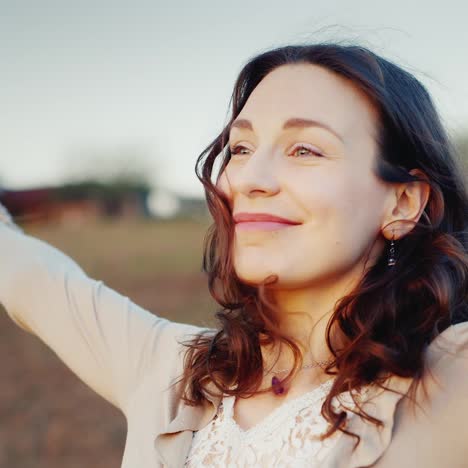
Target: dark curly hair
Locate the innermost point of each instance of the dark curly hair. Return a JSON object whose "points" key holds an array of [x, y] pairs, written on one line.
{"points": [[387, 321]]}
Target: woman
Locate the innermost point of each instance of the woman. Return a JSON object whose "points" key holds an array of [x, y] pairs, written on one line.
{"points": [[338, 253]]}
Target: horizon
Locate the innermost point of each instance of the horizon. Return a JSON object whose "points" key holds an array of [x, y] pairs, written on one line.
{"points": [[97, 87]]}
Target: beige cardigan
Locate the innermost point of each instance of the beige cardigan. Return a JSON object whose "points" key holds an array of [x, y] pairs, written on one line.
{"points": [[129, 356]]}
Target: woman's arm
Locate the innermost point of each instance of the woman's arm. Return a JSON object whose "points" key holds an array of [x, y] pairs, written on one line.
{"points": [[103, 337]]}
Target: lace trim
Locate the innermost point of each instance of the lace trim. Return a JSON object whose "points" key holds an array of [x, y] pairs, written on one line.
{"points": [[276, 417], [286, 437]]}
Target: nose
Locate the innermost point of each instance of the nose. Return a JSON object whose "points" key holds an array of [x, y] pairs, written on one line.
{"points": [[256, 176]]}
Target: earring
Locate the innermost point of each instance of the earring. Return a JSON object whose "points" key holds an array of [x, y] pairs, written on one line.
{"points": [[391, 257]]}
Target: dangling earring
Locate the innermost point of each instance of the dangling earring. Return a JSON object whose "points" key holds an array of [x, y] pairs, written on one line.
{"points": [[391, 257]]}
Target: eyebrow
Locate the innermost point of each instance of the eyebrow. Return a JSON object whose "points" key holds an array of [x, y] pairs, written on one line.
{"points": [[295, 122]]}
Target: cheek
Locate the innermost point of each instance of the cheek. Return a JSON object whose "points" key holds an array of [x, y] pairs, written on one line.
{"points": [[338, 209], [320, 198]]}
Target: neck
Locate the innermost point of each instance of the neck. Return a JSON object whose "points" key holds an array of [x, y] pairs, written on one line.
{"points": [[303, 315]]}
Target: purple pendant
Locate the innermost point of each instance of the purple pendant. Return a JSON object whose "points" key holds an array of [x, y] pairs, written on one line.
{"points": [[278, 389]]}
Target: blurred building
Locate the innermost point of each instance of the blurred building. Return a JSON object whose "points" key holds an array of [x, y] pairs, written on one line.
{"points": [[165, 204], [79, 203], [75, 203]]}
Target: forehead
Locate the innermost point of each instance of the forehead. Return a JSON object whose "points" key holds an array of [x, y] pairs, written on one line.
{"points": [[310, 91]]}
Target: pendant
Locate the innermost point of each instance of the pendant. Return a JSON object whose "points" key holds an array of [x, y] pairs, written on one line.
{"points": [[278, 389]]}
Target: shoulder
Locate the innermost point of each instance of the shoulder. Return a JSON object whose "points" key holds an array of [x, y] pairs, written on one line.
{"points": [[167, 356], [449, 351], [176, 334], [173, 344], [164, 367], [431, 431], [185, 333], [447, 361]]}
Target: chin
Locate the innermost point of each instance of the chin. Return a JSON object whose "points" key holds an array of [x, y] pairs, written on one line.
{"points": [[274, 278], [283, 281], [253, 277]]}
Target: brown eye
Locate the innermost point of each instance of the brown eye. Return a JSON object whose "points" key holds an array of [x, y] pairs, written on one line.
{"points": [[237, 149]]}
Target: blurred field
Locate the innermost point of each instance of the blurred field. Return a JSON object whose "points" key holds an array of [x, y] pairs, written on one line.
{"points": [[48, 417]]}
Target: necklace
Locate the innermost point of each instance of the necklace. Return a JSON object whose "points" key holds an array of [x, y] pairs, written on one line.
{"points": [[277, 388]]}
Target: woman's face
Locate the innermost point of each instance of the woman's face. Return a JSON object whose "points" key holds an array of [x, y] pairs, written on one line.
{"points": [[303, 148]]}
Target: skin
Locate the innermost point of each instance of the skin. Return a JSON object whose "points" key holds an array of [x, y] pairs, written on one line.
{"points": [[343, 208]]}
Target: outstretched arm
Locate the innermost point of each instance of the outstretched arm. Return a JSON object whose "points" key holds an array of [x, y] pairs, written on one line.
{"points": [[102, 336]]}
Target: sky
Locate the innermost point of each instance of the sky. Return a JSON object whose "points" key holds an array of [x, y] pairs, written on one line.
{"points": [[94, 86]]}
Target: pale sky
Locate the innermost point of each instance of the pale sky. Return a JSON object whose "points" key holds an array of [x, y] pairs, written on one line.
{"points": [[154, 78]]}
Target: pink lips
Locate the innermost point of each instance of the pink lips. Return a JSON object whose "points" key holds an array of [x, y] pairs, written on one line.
{"points": [[260, 226], [261, 222]]}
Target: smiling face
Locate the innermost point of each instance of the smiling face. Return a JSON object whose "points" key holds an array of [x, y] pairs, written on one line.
{"points": [[303, 148]]}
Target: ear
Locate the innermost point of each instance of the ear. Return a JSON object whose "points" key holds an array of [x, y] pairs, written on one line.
{"points": [[407, 202]]}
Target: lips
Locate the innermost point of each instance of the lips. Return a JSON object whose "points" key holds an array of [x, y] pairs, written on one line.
{"points": [[262, 218]]}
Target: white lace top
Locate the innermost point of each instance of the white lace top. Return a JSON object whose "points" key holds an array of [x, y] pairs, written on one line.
{"points": [[287, 437]]}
